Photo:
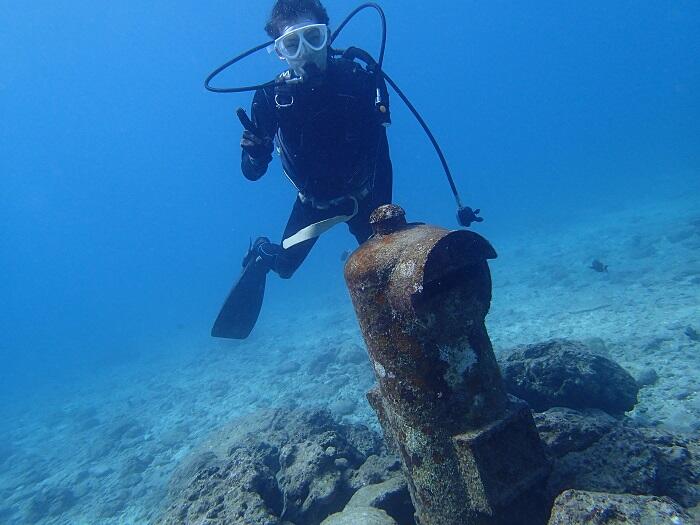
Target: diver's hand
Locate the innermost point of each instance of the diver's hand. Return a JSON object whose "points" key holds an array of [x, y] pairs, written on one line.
{"points": [[466, 216], [259, 149]]}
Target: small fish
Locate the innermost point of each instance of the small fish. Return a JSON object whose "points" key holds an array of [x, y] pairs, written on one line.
{"points": [[692, 333], [344, 256], [598, 266]]}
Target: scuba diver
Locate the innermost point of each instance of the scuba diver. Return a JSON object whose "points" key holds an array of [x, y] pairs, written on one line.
{"points": [[326, 116], [330, 137]]}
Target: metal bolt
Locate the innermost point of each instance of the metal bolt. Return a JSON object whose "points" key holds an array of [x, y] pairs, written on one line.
{"points": [[388, 218]]}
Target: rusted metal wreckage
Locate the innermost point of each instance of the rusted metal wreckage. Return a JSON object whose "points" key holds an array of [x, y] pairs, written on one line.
{"points": [[471, 453]]}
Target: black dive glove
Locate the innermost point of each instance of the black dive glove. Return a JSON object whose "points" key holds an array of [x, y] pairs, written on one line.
{"points": [[466, 216], [258, 149], [257, 145]]}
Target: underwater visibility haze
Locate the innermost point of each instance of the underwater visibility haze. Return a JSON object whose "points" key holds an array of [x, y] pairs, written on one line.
{"points": [[575, 129]]}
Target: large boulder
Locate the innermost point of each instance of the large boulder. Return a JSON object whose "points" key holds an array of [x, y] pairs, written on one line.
{"points": [[274, 468], [590, 451], [375, 469], [313, 476], [594, 508], [240, 488], [562, 373], [391, 496], [565, 430]]}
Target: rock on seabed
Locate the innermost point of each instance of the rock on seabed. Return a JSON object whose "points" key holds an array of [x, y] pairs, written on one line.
{"points": [[563, 373], [596, 508], [277, 467], [360, 516], [591, 451]]}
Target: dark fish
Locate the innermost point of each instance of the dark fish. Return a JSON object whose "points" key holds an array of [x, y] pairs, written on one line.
{"points": [[344, 256], [598, 266], [692, 333]]}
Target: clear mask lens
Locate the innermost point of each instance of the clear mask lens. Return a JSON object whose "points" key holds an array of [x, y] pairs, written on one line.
{"points": [[290, 44], [315, 37]]}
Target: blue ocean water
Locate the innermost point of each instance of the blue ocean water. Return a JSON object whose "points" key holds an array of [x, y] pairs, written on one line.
{"points": [[124, 214]]}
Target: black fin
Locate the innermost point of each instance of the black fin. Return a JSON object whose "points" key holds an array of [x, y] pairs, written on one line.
{"points": [[242, 307]]}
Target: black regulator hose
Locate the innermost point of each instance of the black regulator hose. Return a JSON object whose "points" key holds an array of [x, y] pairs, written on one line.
{"points": [[431, 137], [207, 82], [378, 9], [465, 215]]}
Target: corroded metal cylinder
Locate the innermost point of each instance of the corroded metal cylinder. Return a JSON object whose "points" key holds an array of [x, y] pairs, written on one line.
{"points": [[421, 294]]}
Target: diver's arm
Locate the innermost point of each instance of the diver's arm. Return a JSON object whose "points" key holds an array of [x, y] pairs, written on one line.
{"points": [[257, 147]]}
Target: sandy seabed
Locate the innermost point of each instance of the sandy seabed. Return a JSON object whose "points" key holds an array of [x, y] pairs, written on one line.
{"points": [[104, 452]]}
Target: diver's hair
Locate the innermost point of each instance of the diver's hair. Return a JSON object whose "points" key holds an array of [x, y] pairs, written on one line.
{"points": [[285, 10]]}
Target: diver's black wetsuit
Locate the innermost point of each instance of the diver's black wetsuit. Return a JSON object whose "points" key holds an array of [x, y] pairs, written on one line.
{"points": [[333, 146]]}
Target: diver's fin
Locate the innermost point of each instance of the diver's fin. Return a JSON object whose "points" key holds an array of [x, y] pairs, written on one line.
{"points": [[242, 306]]}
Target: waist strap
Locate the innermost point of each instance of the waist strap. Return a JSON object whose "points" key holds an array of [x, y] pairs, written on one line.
{"points": [[321, 204]]}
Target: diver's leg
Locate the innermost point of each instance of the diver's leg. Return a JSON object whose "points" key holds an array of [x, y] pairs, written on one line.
{"points": [[289, 260]]}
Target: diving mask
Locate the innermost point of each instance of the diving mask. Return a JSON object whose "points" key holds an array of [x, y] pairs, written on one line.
{"points": [[302, 40]]}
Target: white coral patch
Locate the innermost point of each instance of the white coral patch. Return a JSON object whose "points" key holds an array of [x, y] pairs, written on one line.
{"points": [[459, 360], [379, 370]]}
